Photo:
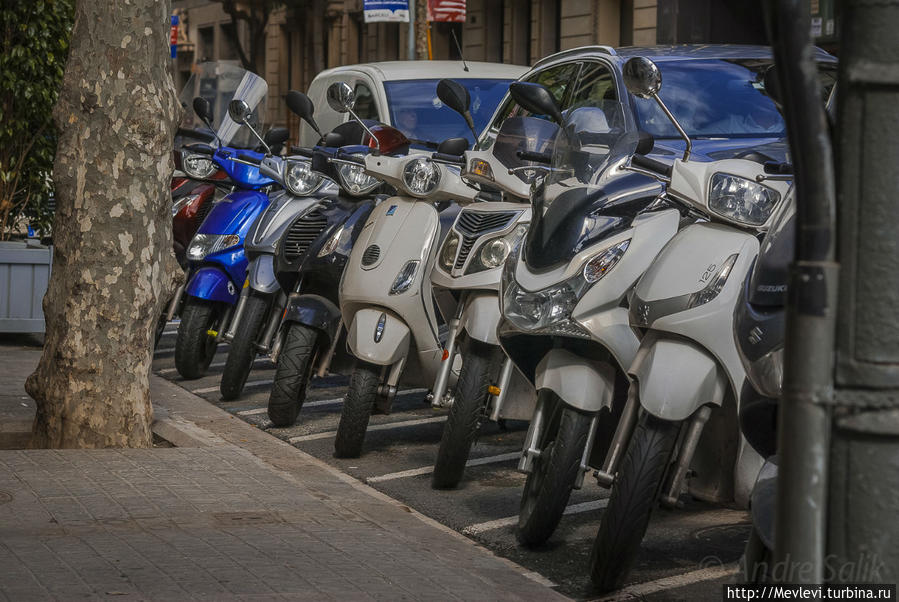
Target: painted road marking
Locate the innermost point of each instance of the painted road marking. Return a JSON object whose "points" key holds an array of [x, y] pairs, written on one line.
{"points": [[308, 404], [513, 520], [640, 590], [254, 383], [374, 427], [167, 349], [215, 365], [414, 472]]}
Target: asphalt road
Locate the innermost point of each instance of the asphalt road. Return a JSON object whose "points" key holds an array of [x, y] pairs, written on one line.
{"points": [[687, 553]]}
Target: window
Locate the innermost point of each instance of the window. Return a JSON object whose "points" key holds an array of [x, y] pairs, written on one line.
{"points": [[595, 89], [207, 44], [365, 106]]}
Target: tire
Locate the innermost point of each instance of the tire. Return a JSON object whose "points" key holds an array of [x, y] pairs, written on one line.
{"points": [[194, 348], [634, 496], [549, 484], [465, 415], [242, 351], [357, 406], [292, 374]]}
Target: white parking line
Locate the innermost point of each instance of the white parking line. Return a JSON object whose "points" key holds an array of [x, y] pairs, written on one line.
{"points": [[375, 427], [215, 365], [513, 520], [166, 349], [640, 590], [252, 383], [414, 472]]}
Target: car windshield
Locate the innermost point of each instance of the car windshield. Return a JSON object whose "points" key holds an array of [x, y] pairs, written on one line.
{"points": [[416, 111], [220, 82], [712, 99]]}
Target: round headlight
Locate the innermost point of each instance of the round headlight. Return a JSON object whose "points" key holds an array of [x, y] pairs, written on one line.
{"points": [[300, 179], [354, 179], [494, 253], [448, 253], [421, 176], [198, 166]]}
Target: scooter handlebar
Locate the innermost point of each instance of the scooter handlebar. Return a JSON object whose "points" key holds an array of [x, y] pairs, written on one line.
{"points": [[200, 149], [651, 165], [451, 159], [249, 159], [535, 157], [302, 151]]}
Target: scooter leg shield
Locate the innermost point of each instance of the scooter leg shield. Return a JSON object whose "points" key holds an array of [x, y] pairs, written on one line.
{"points": [[261, 274], [212, 284], [676, 377], [583, 385], [481, 318], [378, 337]]}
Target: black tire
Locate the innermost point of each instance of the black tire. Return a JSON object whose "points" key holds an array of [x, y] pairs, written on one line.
{"points": [[549, 484], [242, 352], [465, 415], [194, 348], [634, 496], [357, 406], [292, 374]]}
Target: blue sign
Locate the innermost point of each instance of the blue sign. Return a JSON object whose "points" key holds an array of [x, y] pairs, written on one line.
{"points": [[386, 11], [173, 36]]}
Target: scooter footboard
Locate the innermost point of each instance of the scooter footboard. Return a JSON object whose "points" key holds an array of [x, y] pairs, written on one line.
{"points": [[481, 317], [676, 377], [378, 336], [584, 385]]}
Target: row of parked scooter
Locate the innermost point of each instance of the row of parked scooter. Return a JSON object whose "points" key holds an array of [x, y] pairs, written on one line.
{"points": [[630, 309]]}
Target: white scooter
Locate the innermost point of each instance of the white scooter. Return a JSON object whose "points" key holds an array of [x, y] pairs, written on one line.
{"points": [[386, 298], [470, 264], [563, 293], [681, 413]]}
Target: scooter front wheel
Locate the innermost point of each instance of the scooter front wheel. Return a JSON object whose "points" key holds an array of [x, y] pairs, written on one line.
{"points": [[549, 484], [634, 496], [292, 375], [242, 352], [195, 345], [357, 406]]}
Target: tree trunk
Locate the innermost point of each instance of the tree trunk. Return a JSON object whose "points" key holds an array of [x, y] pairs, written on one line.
{"points": [[113, 261]]}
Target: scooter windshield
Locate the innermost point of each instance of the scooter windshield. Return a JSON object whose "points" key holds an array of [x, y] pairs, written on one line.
{"points": [[586, 195], [220, 82]]}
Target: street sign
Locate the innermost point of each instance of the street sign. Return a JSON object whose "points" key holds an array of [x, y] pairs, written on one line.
{"points": [[173, 36], [446, 10], [386, 11]]}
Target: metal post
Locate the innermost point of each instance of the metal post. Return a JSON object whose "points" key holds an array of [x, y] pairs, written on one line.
{"points": [[804, 414], [863, 493], [411, 41]]}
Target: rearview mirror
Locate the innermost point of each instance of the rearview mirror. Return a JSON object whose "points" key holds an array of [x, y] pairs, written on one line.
{"points": [[535, 98], [341, 97], [203, 109], [642, 77], [454, 95], [276, 137], [239, 110], [453, 146], [302, 106]]}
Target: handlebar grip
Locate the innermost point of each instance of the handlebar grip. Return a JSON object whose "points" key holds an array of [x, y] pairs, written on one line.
{"points": [[651, 165], [200, 149], [455, 159], [535, 157], [774, 168], [301, 150], [249, 159]]}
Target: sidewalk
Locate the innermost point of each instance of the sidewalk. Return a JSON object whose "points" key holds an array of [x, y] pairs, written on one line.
{"points": [[230, 513]]}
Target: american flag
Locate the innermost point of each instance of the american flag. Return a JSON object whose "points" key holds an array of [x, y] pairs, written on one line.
{"points": [[446, 10]]}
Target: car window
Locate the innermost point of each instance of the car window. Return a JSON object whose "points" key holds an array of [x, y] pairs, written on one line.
{"points": [[595, 88], [557, 79], [365, 107]]}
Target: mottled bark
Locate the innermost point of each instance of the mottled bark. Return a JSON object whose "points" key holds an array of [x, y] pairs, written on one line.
{"points": [[113, 260]]}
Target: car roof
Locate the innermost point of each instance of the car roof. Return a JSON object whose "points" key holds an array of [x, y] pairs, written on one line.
{"points": [[408, 70], [675, 52]]}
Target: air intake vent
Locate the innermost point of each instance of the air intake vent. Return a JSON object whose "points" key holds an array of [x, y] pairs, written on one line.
{"points": [[371, 255], [474, 224], [303, 233], [203, 211]]}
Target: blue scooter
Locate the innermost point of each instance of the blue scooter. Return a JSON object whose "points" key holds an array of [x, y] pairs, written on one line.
{"points": [[216, 253]]}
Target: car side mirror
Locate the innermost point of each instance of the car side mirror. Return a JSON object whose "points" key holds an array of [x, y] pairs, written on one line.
{"points": [[453, 146], [301, 105], [536, 98], [341, 97]]}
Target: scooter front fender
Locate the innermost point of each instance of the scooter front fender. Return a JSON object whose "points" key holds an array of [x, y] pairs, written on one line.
{"points": [[481, 318], [584, 385], [676, 377], [212, 284], [314, 311], [366, 344], [261, 274]]}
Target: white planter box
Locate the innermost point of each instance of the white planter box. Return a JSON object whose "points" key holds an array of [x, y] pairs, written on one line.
{"points": [[24, 274]]}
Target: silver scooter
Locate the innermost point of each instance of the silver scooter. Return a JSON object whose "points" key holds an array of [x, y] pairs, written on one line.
{"points": [[681, 412]]}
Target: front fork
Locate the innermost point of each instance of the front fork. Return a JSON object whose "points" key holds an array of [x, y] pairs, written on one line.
{"points": [[438, 395], [228, 334], [265, 343], [175, 303]]}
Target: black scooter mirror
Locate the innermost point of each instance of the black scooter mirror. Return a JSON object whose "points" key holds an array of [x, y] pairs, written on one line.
{"points": [[645, 143], [643, 79], [239, 111], [203, 110], [456, 96], [536, 98], [302, 106], [453, 146], [275, 137], [772, 86]]}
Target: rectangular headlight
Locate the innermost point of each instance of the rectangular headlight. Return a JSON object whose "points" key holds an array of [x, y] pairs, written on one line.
{"points": [[741, 200]]}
